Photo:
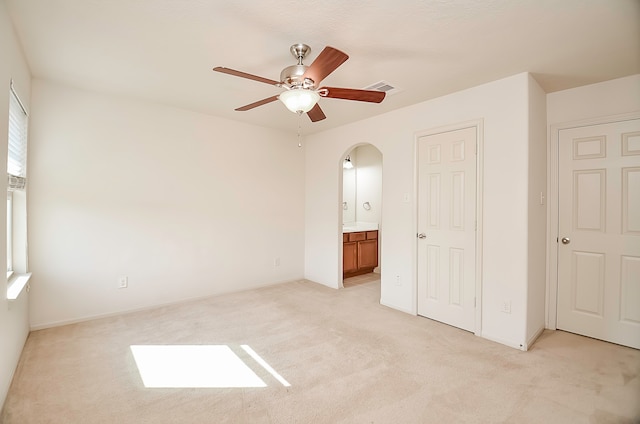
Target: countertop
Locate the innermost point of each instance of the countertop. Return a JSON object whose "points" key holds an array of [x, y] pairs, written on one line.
{"points": [[354, 227]]}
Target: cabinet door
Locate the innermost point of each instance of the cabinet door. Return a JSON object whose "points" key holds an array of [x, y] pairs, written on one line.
{"points": [[349, 257], [368, 254]]}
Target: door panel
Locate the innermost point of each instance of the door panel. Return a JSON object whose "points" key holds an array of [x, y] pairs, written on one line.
{"points": [[599, 232], [630, 312], [630, 203], [432, 273], [587, 294], [446, 215]]}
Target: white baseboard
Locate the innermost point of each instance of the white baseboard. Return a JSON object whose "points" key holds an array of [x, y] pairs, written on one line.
{"points": [[397, 308], [60, 323], [503, 342]]}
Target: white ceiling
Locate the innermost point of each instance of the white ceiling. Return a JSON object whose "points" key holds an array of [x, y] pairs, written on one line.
{"points": [[164, 50]]}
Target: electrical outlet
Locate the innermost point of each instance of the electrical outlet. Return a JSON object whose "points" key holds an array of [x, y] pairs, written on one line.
{"points": [[506, 306], [123, 282], [276, 262], [398, 282]]}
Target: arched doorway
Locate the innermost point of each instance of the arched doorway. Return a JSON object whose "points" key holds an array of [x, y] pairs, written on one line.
{"points": [[361, 216]]}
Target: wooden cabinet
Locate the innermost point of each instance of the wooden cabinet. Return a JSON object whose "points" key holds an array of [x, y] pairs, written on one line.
{"points": [[359, 253], [350, 257]]}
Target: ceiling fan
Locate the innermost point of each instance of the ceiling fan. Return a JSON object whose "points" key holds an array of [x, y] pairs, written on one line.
{"points": [[302, 83]]}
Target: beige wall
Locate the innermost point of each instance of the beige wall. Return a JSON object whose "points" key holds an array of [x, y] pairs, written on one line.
{"points": [[607, 98], [185, 205], [14, 323], [537, 213], [504, 106]]}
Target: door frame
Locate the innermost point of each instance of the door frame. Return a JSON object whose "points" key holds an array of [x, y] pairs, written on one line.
{"points": [[553, 210], [478, 124]]}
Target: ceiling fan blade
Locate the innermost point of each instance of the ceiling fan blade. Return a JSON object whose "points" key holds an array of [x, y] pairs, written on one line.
{"points": [[316, 114], [327, 61], [245, 75], [372, 96], [258, 103]]}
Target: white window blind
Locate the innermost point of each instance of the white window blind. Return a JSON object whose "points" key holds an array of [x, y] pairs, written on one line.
{"points": [[17, 155]]}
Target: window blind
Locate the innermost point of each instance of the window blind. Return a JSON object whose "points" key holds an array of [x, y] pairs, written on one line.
{"points": [[17, 155]]}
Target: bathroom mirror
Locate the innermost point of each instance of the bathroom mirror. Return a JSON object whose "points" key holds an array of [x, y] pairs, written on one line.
{"points": [[362, 186]]}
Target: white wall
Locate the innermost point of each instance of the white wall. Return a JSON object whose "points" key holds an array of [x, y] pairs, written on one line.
{"points": [[504, 108], [186, 205], [537, 219], [14, 323], [607, 98]]}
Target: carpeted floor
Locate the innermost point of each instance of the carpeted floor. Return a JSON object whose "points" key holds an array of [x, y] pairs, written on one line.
{"points": [[347, 359]]}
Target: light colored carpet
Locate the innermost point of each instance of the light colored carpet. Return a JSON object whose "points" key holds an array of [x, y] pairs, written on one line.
{"points": [[347, 358]]}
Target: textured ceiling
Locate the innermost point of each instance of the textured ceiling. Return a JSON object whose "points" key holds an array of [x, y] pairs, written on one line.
{"points": [[164, 50]]}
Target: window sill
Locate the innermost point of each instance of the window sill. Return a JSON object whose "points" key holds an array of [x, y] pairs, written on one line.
{"points": [[17, 284]]}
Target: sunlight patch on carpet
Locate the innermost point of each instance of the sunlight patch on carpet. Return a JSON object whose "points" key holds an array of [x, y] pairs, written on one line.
{"points": [[193, 366], [265, 365]]}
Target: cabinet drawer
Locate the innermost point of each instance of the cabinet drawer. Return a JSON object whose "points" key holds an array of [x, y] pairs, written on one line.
{"points": [[371, 235], [357, 236]]}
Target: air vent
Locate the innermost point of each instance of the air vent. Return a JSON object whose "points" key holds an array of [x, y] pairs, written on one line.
{"points": [[383, 86]]}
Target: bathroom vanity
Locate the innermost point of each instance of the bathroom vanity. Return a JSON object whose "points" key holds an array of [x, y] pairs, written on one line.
{"points": [[359, 251]]}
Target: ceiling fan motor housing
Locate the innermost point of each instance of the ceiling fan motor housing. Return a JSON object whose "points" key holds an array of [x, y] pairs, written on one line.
{"points": [[293, 77]]}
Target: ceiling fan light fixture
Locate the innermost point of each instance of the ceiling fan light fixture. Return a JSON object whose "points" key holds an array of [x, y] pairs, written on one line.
{"points": [[299, 100], [303, 83], [347, 163]]}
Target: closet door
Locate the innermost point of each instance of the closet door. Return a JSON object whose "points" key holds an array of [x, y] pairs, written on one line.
{"points": [[599, 232]]}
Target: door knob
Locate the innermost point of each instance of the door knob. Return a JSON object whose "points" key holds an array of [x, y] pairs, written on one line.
{"points": [[566, 240], [422, 236]]}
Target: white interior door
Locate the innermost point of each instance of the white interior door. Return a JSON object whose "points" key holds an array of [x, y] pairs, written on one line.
{"points": [[599, 232], [446, 226]]}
